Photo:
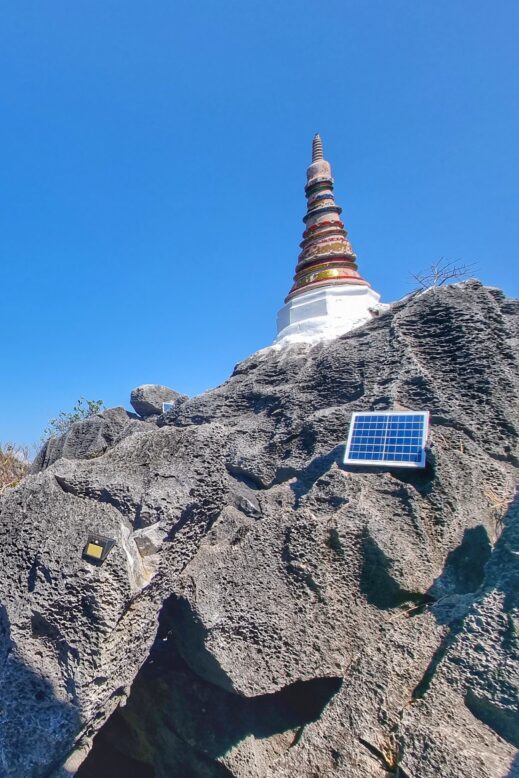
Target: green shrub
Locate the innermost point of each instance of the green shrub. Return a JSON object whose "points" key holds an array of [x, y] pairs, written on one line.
{"points": [[64, 420]]}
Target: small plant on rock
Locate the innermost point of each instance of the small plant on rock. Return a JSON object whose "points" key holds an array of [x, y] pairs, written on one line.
{"points": [[83, 409], [14, 463]]}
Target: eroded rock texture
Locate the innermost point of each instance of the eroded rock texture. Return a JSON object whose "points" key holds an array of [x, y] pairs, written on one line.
{"points": [[267, 611]]}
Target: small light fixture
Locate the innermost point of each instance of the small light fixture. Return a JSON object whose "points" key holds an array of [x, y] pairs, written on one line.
{"points": [[97, 548]]}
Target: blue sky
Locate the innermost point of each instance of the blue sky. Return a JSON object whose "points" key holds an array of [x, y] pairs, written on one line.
{"points": [[153, 162]]}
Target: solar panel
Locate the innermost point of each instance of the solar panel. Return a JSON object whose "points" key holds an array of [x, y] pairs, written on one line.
{"points": [[167, 407], [388, 438]]}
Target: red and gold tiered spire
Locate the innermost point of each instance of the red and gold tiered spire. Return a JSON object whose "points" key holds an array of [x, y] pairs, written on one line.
{"points": [[327, 258]]}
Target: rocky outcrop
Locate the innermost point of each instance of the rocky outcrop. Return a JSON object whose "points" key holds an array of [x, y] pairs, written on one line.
{"points": [[88, 438], [267, 611]]}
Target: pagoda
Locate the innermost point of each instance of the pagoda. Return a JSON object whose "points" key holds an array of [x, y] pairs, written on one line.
{"points": [[329, 296]]}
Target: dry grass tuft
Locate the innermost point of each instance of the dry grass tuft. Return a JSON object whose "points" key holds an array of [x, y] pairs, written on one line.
{"points": [[14, 464]]}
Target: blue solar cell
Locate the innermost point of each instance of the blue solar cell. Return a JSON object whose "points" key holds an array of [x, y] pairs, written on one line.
{"points": [[398, 438]]}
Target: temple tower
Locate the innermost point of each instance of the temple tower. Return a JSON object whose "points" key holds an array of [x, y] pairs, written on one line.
{"points": [[329, 296]]}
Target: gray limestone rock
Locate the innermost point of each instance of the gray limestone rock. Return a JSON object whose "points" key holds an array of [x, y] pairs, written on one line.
{"points": [[267, 611], [88, 438], [147, 399]]}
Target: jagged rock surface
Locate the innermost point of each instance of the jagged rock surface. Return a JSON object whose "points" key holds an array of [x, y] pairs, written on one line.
{"points": [[267, 611], [88, 438]]}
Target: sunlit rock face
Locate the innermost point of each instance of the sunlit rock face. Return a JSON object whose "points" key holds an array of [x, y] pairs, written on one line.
{"points": [[266, 611], [329, 297]]}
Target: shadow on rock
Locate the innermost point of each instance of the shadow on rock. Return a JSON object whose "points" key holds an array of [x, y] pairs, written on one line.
{"points": [[376, 583], [514, 769], [464, 569], [181, 723], [37, 731], [474, 568], [106, 761]]}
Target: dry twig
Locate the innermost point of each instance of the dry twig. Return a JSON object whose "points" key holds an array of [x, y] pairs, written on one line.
{"points": [[14, 464], [441, 272]]}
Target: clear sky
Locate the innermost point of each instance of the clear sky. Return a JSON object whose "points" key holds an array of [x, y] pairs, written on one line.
{"points": [[153, 161]]}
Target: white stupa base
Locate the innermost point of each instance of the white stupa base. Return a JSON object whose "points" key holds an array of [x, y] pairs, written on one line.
{"points": [[326, 313]]}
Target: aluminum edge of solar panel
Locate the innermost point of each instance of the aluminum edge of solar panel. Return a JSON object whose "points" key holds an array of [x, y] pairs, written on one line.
{"points": [[425, 415]]}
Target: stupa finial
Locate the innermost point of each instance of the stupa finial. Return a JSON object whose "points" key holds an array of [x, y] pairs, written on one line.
{"points": [[317, 148], [327, 258]]}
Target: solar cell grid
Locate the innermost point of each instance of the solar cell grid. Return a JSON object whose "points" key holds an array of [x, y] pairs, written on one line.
{"points": [[379, 438]]}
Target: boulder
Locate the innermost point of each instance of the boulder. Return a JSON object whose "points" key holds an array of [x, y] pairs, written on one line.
{"points": [[147, 399]]}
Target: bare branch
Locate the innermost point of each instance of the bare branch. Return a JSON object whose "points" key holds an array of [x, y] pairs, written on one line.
{"points": [[441, 272]]}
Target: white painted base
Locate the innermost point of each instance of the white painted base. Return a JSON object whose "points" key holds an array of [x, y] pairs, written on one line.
{"points": [[326, 313]]}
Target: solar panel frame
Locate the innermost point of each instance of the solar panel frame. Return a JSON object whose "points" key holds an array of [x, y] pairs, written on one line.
{"points": [[387, 439]]}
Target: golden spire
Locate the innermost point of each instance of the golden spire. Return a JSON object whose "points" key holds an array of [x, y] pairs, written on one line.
{"points": [[327, 258]]}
